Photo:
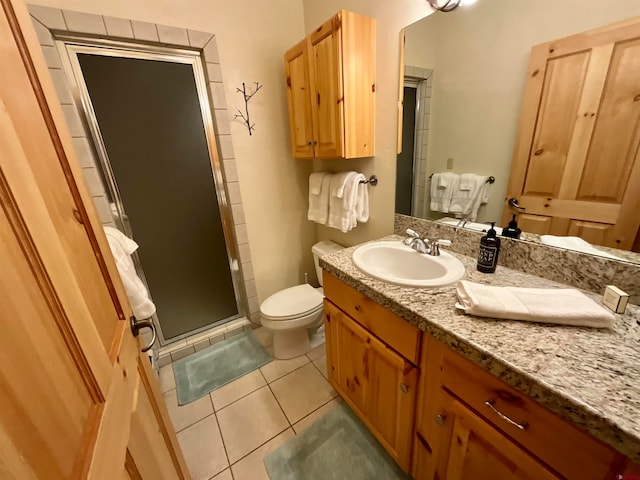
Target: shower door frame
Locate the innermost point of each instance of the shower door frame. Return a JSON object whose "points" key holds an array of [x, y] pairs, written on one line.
{"points": [[69, 46]]}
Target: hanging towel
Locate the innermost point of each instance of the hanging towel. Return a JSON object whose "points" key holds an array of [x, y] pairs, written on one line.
{"points": [[467, 181], [342, 199], [319, 185], [560, 306], [362, 202], [122, 247], [575, 243], [442, 186], [467, 202]]}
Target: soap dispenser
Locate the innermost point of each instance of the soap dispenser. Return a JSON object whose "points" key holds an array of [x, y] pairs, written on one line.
{"points": [[512, 229], [489, 250]]}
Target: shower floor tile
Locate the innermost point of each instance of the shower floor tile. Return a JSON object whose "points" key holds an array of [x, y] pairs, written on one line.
{"points": [[250, 421]]}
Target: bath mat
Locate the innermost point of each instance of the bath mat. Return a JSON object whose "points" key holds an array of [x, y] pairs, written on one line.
{"points": [[337, 446], [215, 366]]}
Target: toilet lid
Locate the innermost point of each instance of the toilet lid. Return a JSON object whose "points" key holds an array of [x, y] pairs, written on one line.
{"points": [[295, 301]]}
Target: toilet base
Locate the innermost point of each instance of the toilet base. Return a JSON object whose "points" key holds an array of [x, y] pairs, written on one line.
{"points": [[291, 343]]}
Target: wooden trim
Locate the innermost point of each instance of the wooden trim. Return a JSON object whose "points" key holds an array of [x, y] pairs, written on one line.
{"points": [[554, 207], [401, 90]]}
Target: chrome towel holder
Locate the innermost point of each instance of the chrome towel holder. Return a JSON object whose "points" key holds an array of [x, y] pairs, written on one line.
{"points": [[491, 179], [373, 180]]}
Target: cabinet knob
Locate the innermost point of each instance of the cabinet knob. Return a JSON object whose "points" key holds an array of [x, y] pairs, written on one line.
{"points": [[439, 418], [404, 388]]}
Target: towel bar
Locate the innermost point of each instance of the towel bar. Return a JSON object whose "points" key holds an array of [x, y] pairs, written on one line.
{"points": [[491, 179], [373, 180]]}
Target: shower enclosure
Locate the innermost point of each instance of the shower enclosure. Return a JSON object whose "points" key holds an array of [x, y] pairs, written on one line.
{"points": [[148, 113]]}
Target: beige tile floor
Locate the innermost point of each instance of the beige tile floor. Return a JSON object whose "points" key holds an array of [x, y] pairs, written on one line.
{"points": [[225, 435]]}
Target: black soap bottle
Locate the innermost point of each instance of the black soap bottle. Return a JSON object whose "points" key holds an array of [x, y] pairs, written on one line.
{"points": [[489, 250], [512, 229]]}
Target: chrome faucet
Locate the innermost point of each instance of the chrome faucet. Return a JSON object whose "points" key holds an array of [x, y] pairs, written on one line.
{"points": [[427, 246]]}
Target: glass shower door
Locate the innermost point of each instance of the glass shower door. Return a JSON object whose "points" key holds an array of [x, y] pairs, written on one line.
{"points": [[151, 126]]}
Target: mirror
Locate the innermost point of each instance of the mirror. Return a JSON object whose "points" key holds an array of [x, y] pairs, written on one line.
{"points": [[467, 71]]}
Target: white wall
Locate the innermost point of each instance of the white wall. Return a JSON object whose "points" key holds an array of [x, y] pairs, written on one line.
{"points": [[480, 62], [391, 17], [252, 37]]}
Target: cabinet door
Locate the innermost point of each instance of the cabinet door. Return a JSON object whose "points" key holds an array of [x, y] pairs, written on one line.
{"points": [[475, 450], [296, 64], [375, 381], [325, 68]]}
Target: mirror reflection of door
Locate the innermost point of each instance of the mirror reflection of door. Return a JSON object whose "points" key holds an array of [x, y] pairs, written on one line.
{"points": [[405, 164], [575, 169]]}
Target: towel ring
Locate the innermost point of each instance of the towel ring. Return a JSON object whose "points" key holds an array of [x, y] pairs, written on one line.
{"points": [[373, 180]]}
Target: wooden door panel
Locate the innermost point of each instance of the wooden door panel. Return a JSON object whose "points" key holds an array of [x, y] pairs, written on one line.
{"points": [[354, 360], [616, 134], [534, 223], [561, 94], [592, 232], [299, 100]]}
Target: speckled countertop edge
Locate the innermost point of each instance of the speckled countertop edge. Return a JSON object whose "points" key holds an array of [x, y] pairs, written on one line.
{"points": [[590, 377]]}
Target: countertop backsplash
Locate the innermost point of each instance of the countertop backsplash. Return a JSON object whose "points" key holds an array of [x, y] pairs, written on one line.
{"points": [[577, 269]]}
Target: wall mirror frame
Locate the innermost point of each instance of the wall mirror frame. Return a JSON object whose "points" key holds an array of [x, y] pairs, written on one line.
{"points": [[479, 56]]}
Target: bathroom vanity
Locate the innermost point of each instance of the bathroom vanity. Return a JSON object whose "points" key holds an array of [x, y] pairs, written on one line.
{"points": [[453, 396]]}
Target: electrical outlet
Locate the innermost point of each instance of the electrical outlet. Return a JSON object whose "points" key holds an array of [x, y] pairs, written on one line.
{"points": [[449, 163]]}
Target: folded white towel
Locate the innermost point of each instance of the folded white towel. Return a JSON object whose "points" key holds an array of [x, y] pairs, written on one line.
{"points": [[467, 181], [122, 247], [362, 201], [467, 202], [560, 306], [442, 186], [575, 243], [342, 201], [319, 203]]}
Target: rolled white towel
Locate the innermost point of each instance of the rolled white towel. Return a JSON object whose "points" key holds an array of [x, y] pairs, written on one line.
{"points": [[342, 201], [315, 182], [575, 243], [545, 305], [442, 186], [362, 202]]}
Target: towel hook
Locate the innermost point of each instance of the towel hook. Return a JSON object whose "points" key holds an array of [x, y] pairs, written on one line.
{"points": [[373, 180]]}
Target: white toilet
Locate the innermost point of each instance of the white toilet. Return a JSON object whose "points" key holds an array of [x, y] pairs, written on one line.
{"points": [[294, 314]]}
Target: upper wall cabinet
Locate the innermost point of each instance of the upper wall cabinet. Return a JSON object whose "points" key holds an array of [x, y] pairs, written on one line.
{"points": [[331, 89]]}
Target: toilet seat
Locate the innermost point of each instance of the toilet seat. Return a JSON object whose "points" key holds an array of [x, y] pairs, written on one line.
{"points": [[292, 303]]}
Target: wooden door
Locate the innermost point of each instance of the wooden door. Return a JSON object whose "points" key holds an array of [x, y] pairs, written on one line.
{"points": [[575, 168], [375, 381], [77, 399], [296, 65], [325, 67]]}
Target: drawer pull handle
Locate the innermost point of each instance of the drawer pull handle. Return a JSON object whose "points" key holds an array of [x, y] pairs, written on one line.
{"points": [[440, 418], [404, 388], [521, 426]]}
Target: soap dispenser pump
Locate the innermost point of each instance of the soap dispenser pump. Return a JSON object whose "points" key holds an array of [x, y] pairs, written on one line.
{"points": [[512, 230], [489, 250]]}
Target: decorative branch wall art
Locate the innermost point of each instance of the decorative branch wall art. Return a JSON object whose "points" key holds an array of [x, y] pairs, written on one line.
{"points": [[247, 96]]}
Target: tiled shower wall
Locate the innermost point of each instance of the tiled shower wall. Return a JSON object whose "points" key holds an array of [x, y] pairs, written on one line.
{"points": [[50, 21], [420, 203]]}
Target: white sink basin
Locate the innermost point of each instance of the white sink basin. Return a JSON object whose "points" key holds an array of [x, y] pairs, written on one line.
{"points": [[394, 262]]}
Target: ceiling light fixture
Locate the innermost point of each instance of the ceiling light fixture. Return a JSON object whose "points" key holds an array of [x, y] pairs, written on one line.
{"points": [[444, 5]]}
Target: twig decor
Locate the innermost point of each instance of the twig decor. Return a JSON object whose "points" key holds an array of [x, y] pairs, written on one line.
{"points": [[247, 97]]}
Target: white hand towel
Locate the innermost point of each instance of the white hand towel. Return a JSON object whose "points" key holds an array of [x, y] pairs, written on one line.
{"points": [[575, 243], [362, 202], [467, 202], [342, 201], [122, 247], [560, 306], [319, 203], [466, 181], [441, 195]]}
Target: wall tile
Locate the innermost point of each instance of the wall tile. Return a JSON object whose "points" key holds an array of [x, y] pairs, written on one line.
{"points": [[223, 126], [51, 18], [62, 86], [198, 39], [51, 56], [44, 35], [145, 31], [201, 345], [183, 352], [226, 146], [238, 214], [233, 189], [210, 51], [247, 270], [253, 305], [73, 121], [83, 152], [230, 170], [217, 95], [241, 234], [104, 210], [214, 72], [84, 23], [250, 287], [94, 183], [244, 253], [173, 35], [118, 27]]}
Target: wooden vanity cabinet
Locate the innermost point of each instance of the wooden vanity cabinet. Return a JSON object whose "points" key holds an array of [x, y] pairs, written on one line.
{"points": [[378, 383], [331, 89]]}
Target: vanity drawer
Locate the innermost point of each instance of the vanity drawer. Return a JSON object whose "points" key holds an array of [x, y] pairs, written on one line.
{"points": [[388, 327], [569, 451]]}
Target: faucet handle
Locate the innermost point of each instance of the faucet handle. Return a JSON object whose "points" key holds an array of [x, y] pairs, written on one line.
{"points": [[435, 246], [413, 233], [444, 243]]}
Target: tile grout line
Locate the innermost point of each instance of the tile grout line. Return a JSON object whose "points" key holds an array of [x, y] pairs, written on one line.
{"points": [[314, 411], [192, 424], [224, 447]]}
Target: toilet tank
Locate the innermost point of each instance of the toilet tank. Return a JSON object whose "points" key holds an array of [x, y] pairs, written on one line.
{"points": [[322, 248]]}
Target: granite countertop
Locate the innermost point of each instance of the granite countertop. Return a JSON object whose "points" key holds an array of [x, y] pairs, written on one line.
{"points": [[590, 377]]}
